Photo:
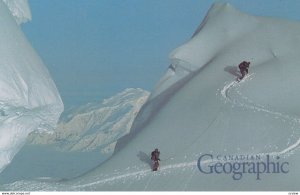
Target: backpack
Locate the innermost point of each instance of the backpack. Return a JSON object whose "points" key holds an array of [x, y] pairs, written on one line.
{"points": [[155, 155], [244, 65]]}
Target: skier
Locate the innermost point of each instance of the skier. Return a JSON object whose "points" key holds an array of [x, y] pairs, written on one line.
{"points": [[155, 159], [244, 66]]}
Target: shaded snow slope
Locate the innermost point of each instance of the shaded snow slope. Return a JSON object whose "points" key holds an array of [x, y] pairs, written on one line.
{"points": [[29, 99], [198, 108]]}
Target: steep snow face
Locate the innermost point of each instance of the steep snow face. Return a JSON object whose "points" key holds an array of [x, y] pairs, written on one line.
{"points": [[199, 108], [95, 125], [29, 99]]}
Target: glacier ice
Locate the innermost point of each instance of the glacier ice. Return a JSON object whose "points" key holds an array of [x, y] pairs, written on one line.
{"points": [[29, 99], [84, 137]]}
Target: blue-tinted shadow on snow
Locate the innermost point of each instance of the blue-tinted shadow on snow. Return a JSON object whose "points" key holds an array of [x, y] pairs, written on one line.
{"points": [[233, 70], [152, 107], [144, 158]]}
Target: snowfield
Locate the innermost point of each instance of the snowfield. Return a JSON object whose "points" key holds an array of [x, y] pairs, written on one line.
{"points": [[198, 108]]}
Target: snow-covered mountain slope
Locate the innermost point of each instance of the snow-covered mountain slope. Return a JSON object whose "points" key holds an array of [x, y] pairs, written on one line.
{"points": [[95, 125], [199, 108], [29, 99]]}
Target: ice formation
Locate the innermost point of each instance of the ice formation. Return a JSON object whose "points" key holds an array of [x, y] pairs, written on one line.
{"points": [[29, 99]]}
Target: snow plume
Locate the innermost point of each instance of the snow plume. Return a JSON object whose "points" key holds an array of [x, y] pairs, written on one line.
{"points": [[29, 99], [19, 9]]}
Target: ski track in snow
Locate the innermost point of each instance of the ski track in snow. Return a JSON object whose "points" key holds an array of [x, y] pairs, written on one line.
{"points": [[234, 84], [138, 174]]}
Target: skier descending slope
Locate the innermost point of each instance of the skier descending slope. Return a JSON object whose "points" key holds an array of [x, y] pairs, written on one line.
{"points": [[244, 66], [155, 159]]}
